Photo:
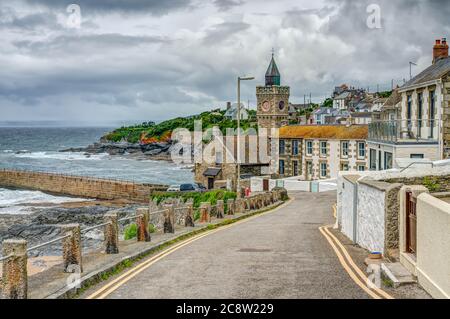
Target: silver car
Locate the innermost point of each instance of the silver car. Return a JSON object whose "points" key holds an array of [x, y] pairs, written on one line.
{"points": [[174, 188]]}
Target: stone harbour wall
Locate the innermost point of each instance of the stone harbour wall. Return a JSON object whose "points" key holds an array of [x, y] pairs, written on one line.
{"points": [[79, 186]]}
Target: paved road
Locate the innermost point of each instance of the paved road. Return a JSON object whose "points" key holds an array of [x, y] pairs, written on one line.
{"points": [[278, 255]]}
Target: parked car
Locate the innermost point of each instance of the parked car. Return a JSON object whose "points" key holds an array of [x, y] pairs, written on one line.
{"points": [[191, 187], [174, 188]]}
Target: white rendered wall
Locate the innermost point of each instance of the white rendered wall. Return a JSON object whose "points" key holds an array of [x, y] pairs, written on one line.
{"points": [[370, 218]]}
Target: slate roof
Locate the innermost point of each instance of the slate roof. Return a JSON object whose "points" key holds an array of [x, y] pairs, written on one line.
{"points": [[212, 171], [338, 132], [343, 95], [433, 72], [393, 100]]}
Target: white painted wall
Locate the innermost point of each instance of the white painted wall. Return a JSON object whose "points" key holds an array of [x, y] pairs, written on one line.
{"points": [[370, 216], [433, 245], [347, 208]]}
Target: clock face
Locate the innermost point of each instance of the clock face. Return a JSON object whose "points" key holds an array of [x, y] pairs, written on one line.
{"points": [[266, 106], [281, 105]]}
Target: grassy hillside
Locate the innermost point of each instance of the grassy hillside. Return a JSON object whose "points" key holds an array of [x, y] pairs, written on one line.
{"points": [[149, 132]]}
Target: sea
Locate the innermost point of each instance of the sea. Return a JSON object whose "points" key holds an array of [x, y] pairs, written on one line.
{"points": [[37, 149]]}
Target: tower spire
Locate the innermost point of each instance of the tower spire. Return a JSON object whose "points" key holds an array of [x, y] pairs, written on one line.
{"points": [[272, 74]]}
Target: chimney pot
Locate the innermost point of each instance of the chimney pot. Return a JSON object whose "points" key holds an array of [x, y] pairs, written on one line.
{"points": [[440, 50]]}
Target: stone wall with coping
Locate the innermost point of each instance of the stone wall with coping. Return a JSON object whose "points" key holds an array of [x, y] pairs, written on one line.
{"points": [[79, 186]]}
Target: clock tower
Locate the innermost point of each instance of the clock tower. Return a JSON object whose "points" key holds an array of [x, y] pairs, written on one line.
{"points": [[272, 100]]}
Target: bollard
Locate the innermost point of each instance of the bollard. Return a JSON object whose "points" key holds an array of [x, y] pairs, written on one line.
{"points": [[142, 222], [238, 205], [189, 218], [169, 219], [15, 276], [111, 233], [72, 257], [230, 206], [220, 208], [205, 212]]}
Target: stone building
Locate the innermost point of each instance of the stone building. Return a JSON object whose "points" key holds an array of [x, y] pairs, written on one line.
{"points": [[314, 152], [422, 129], [272, 100], [219, 169]]}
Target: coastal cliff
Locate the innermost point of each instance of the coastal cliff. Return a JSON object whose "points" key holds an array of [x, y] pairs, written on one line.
{"points": [[150, 140]]}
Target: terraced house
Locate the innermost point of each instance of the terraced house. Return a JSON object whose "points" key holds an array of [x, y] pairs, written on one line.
{"points": [[319, 152], [420, 129]]}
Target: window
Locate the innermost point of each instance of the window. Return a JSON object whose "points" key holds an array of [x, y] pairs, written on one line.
{"points": [[309, 148], [294, 147], [373, 160], [344, 148], [281, 167], [416, 156], [295, 168], [361, 168], [419, 113], [387, 160], [408, 110], [361, 149], [282, 147], [344, 167], [323, 148], [323, 169], [432, 112]]}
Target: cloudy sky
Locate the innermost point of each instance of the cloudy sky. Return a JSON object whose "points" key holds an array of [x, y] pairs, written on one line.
{"points": [[139, 60]]}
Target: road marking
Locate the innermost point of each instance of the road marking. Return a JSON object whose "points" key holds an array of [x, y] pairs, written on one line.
{"points": [[127, 276], [350, 267]]}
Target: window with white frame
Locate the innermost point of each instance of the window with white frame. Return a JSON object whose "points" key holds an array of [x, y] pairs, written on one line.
{"points": [[281, 147], [281, 167], [361, 149], [295, 147], [361, 168], [323, 148], [309, 147], [344, 148], [323, 169]]}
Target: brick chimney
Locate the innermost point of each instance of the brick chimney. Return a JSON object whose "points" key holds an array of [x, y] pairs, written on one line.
{"points": [[440, 50]]}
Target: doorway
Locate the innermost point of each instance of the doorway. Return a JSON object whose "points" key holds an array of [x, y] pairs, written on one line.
{"points": [[210, 183]]}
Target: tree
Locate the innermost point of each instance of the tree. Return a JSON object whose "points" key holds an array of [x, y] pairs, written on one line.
{"points": [[328, 102]]}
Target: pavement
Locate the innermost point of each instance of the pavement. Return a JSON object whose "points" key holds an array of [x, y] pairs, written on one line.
{"points": [[276, 255]]}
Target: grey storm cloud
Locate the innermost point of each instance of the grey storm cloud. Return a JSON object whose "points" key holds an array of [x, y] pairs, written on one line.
{"points": [[158, 61], [155, 7]]}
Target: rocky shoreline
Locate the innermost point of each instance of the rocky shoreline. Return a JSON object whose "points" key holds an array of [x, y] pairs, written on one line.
{"points": [[43, 224], [154, 151]]}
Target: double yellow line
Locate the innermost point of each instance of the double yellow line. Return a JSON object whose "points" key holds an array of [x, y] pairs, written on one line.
{"points": [[350, 267], [109, 288]]}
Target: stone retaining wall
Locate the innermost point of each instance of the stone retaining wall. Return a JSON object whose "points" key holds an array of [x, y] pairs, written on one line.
{"points": [[80, 186]]}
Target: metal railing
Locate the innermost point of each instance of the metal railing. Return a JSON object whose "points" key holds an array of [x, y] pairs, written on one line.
{"points": [[411, 164], [404, 130]]}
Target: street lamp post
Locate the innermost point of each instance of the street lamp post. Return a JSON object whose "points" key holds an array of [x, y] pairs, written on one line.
{"points": [[238, 159]]}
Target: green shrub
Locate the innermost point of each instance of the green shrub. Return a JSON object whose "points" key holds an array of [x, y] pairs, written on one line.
{"points": [[431, 183], [151, 228], [198, 198], [196, 215], [130, 231]]}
